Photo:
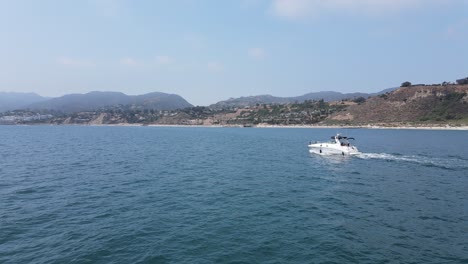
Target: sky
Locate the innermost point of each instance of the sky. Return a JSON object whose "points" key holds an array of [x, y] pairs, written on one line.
{"points": [[211, 50]]}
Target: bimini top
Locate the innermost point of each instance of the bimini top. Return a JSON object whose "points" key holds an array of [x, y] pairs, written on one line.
{"points": [[341, 137]]}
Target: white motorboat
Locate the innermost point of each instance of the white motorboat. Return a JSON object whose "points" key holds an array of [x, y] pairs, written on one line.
{"points": [[339, 145]]}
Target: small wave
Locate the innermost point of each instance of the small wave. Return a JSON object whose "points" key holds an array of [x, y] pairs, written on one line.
{"points": [[449, 163], [458, 157]]}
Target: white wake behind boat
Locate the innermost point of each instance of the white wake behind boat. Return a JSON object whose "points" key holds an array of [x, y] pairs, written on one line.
{"points": [[339, 145]]}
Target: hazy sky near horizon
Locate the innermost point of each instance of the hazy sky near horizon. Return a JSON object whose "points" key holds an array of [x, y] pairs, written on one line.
{"points": [[210, 50]]}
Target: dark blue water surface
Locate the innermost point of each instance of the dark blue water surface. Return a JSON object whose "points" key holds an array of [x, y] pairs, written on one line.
{"points": [[230, 195]]}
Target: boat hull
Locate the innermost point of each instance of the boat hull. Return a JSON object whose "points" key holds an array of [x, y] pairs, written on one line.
{"points": [[332, 149]]}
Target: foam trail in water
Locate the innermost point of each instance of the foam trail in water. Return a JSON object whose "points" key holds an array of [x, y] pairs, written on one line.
{"points": [[446, 163]]}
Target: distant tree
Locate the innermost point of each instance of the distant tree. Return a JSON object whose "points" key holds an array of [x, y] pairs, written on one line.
{"points": [[384, 96], [406, 84], [322, 104], [462, 81], [359, 100]]}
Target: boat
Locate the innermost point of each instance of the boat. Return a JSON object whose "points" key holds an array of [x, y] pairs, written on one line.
{"points": [[339, 145]]}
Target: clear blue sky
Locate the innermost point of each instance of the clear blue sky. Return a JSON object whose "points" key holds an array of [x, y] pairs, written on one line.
{"points": [[210, 50]]}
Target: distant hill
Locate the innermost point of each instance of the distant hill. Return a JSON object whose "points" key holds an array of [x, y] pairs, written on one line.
{"points": [[13, 101], [327, 96], [95, 100], [410, 104]]}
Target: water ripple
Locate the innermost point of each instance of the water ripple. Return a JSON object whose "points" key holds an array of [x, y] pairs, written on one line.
{"points": [[450, 162], [198, 195]]}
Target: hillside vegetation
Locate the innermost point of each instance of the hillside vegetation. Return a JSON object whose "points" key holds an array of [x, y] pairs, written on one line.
{"points": [[413, 104], [327, 96]]}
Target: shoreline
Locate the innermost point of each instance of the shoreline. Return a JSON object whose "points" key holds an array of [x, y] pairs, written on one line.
{"points": [[428, 127]]}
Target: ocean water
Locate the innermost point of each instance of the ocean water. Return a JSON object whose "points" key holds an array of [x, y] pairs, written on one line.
{"points": [[75, 194]]}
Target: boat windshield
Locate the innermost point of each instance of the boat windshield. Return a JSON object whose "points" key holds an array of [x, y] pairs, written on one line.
{"points": [[343, 142]]}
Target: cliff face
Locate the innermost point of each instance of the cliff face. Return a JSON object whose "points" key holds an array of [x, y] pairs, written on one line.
{"points": [[410, 104]]}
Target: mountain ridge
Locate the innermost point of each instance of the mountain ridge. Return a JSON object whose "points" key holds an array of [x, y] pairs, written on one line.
{"points": [[97, 99], [155, 100], [327, 96], [15, 100], [419, 105]]}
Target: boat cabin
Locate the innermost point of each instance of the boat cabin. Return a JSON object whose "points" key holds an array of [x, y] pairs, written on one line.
{"points": [[342, 140]]}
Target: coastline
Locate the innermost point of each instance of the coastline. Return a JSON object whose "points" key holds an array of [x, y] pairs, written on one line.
{"points": [[428, 127], [320, 126]]}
